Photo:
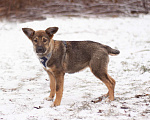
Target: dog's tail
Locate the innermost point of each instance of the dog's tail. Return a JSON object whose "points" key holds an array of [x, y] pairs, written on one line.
{"points": [[111, 51]]}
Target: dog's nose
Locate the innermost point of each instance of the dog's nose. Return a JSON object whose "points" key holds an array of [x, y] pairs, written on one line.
{"points": [[40, 49]]}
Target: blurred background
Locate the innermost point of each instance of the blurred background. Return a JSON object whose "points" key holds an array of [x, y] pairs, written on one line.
{"points": [[26, 10]]}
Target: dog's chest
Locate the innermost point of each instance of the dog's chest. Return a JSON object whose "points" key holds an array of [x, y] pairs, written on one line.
{"points": [[44, 60]]}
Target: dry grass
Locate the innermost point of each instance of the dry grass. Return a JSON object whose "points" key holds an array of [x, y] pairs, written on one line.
{"points": [[38, 9]]}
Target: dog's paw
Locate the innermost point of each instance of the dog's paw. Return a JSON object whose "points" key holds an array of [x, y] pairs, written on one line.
{"points": [[107, 100], [48, 99], [105, 96], [52, 105]]}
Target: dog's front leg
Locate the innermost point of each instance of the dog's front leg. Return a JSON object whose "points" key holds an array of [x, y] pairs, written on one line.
{"points": [[52, 86], [59, 87]]}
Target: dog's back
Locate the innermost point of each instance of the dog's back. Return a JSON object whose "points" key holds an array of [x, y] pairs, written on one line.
{"points": [[79, 54]]}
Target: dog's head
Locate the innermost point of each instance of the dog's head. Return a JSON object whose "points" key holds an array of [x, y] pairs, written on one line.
{"points": [[41, 39]]}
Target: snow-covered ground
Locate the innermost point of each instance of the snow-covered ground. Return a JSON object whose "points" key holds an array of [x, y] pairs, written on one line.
{"points": [[24, 84]]}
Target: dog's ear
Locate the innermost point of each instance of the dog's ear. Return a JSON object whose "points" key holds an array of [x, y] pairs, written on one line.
{"points": [[51, 30], [29, 32]]}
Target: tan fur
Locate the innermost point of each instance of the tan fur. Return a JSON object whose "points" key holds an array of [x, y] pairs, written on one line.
{"points": [[71, 58]]}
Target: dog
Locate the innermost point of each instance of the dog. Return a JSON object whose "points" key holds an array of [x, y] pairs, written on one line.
{"points": [[60, 57]]}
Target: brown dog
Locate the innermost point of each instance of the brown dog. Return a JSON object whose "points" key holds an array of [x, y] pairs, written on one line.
{"points": [[60, 57]]}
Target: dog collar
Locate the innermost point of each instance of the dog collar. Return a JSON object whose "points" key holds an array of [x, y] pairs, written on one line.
{"points": [[44, 60]]}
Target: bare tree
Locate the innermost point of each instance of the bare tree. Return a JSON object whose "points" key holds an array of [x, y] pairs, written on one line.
{"points": [[115, 1], [144, 2]]}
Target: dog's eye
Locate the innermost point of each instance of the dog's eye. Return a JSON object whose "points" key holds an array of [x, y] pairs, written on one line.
{"points": [[35, 40], [44, 40]]}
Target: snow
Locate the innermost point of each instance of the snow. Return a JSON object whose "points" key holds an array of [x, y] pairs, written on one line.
{"points": [[24, 84]]}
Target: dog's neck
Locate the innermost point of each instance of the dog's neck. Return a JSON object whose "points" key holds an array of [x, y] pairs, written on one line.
{"points": [[45, 58]]}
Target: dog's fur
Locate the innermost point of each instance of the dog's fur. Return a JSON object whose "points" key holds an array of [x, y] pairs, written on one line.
{"points": [[71, 58]]}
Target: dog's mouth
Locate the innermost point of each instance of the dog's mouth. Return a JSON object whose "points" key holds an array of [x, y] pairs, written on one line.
{"points": [[40, 51], [40, 54]]}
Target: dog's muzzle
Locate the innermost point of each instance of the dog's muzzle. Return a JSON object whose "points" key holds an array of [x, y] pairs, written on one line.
{"points": [[40, 49]]}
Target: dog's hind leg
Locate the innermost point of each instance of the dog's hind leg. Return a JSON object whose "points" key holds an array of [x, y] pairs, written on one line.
{"points": [[110, 83], [52, 86], [99, 69]]}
